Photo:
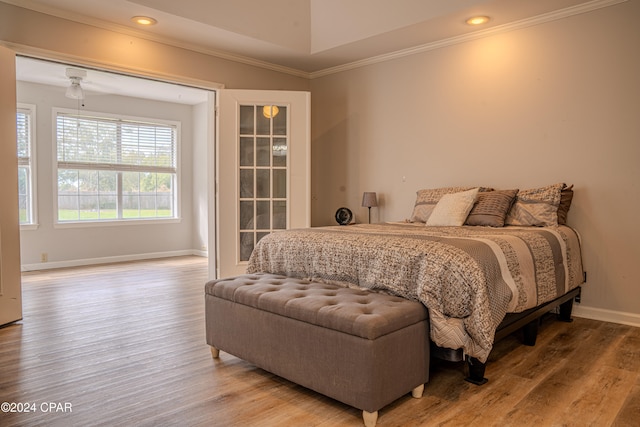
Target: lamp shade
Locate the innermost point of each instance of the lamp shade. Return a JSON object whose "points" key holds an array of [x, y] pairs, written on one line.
{"points": [[75, 91], [369, 199], [270, 111]]}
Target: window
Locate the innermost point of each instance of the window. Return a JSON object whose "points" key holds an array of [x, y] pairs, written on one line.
{"points": [[26, 171], [115, 168]]}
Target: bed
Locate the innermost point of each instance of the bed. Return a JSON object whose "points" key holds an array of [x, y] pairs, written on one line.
{"points": [[482, 261]]}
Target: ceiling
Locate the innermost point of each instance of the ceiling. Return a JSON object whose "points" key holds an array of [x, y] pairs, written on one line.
{"points": [[306, 37]]}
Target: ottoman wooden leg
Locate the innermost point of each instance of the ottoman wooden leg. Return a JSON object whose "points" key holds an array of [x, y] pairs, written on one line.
{"points": [[417, 392], [215, 352], [370, 418]]}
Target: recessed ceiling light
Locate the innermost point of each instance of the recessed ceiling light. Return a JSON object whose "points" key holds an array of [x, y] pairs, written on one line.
{"points": [[144, 20], [477, 20]]}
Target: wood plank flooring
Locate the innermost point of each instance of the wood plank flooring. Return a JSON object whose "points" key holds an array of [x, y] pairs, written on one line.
{"points": [[124, 345]]}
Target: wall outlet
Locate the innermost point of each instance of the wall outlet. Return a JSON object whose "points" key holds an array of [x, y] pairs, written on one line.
{"points": [[44, 257]]}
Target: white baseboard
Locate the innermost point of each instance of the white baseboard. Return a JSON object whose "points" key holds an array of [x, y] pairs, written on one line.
{"points": [[109, 260], [631, 319]]}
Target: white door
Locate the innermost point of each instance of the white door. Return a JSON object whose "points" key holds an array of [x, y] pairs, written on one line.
{"points": [[10, 287], [263, 171]]}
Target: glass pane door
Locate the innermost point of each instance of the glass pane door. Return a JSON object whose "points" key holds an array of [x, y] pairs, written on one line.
{"points": [[263, 171], [263, 155]]}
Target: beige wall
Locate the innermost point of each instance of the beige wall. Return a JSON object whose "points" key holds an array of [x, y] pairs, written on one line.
{"points": [[553, 102], [557, 102]]}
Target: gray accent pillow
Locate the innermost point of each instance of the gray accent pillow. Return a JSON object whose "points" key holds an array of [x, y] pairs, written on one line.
{"points": [[491, 208]]}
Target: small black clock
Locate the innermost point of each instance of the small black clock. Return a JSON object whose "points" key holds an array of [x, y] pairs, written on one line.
{"points": [[344, 216]]}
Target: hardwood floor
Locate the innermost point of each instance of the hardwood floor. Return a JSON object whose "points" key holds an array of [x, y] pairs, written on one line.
{"points": [[124, 345]]}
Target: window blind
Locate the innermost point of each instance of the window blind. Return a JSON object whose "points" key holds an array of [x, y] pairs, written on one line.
{"points": [[23, 123], [115, 144]]}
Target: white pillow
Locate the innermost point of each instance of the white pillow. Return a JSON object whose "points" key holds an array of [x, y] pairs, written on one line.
{"points": [[453, 209]]}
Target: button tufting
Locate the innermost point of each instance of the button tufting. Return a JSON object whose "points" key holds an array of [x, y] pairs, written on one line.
{"points": [[324, 305]]}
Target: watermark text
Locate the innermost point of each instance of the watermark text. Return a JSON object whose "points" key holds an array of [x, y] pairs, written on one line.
{"points": [[46, 407]]}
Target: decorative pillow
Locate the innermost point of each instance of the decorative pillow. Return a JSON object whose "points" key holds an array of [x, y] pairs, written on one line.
{"points": [[491, 208], [452, 209], [566, 196], [426, 200], [536, 206]]}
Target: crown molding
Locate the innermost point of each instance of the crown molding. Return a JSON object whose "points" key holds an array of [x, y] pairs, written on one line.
{"points": [[516, 25]]}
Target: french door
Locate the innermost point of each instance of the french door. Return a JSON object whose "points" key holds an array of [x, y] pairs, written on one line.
{"points": [[263, 171], [10, 286]]}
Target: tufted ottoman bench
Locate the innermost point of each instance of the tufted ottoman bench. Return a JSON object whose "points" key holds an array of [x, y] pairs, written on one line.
{"points": [[363, 348]]}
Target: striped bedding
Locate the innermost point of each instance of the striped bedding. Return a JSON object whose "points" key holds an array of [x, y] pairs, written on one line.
{"points": [[468, 277]]}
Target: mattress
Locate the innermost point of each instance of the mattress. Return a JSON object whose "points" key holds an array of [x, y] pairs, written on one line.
{"points": [[468, 277]]}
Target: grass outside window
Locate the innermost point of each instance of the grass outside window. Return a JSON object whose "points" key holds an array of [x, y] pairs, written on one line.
{"points": [[74, 215]]}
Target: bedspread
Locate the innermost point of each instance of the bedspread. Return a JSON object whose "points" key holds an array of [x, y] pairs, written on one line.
{"points": [[468, 277]]}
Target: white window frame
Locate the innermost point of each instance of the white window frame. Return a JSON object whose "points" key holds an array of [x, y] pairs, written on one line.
{"points": [[117, 221], [30, 111]]}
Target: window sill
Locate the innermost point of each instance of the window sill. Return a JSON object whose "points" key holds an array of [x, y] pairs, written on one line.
{"points": [[116, 223]]}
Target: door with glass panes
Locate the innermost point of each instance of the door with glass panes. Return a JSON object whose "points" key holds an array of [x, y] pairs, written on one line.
{"points": [[263, 171]]}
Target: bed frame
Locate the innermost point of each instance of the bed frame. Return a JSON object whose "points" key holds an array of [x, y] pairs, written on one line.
{"points": [[528, 321]]}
